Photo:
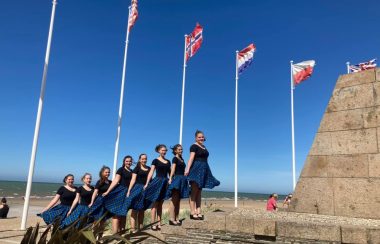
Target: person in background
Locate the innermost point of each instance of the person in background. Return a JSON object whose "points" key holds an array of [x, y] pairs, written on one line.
{"points": [[178, 185], [287, 200], [66, 195], [155, 191], [272, 202], [116, 194], [199, 174], [83, 197], [4, 208], [136, 194]]}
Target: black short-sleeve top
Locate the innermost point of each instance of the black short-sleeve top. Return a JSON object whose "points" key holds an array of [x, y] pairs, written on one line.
{"points": [[125, 176], [180, 166], [201, 154], [66, 196], [85, 196], [102, 187], [142, 175], [162, 169]]}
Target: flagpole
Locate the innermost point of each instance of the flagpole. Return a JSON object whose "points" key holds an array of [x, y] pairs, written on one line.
{"points": [[348, 67], [183, 93], [236, 129], [38, 122], [292, 115], [121, 99]]}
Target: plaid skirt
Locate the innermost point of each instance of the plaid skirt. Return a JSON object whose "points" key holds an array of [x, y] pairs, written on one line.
{"points": [[180, 183], [97, 210], [60, 211], [79, 212], [114, 202], [156, 190], [200, 173], [136, 199]]}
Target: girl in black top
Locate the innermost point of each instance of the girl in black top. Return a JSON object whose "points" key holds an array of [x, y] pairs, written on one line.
{"points": [[199, 174], [66, 195], [178, 185], [97, 209], [155, 191], [83, 197], [136, 193], [116, 194], [4, 208]]}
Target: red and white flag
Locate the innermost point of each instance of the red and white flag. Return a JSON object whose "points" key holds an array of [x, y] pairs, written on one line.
{"points": [[302, 71], [133, 14], [194, 41]]}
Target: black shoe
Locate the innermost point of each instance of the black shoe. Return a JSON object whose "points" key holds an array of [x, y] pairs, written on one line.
{"points": [[154, 227], [194, 218], [202, 217], [173, 223]]}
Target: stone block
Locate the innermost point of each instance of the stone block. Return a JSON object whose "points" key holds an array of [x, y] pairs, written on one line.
{"points": [[309, 231], [357, 197], [359, 96], [354, 141], [265, 227], [313, 195], [374, 165], [216, 221], [321, 144], [315, 166], [348, 165], [376, 93], [371, 117], [374, 236], [353, 79], [342, 120], [233, 223], [354, 234]]}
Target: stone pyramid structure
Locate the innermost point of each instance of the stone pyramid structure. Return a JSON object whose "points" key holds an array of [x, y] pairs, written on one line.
{"points": [[341, 175]]}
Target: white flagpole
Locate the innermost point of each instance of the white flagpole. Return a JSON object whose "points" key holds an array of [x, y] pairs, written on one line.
{"points": [[121, 99], [348, 67], [236, 130], [183, 94], [292, 115], [38, 122]]}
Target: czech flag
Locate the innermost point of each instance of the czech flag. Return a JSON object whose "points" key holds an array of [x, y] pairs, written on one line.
{"points": [[245, 57], [302, 71]]}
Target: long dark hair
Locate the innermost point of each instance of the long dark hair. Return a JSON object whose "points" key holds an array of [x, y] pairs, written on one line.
{"points": [[159, 146], [104, 168], [174, 148]]}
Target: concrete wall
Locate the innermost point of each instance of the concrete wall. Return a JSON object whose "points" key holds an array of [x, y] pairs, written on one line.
{"points": [[341, 175]]}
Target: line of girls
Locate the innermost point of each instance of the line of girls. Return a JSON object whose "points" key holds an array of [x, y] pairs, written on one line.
{"points": [[135, 189]]}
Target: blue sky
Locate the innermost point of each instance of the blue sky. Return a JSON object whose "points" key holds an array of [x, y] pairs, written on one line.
{"points": [[79, 119]]}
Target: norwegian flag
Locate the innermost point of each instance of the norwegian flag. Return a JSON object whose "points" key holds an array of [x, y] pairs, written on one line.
{"points": [[363, 66], [194, 41], [133, 14]]}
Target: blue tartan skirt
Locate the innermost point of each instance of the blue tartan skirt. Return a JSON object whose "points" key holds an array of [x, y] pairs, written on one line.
{"points": [[156, 190], [200, 173], [114, 202], [136, 199], [60, 211], [180, 183], [79, 212], [97, 210]]}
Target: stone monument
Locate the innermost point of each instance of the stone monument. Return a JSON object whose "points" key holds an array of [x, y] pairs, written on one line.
{"points": [[341, 175]]}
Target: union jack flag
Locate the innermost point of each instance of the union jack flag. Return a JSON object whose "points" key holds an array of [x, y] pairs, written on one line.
{"points": [[133, 14], [194, 41], [363, 66]]}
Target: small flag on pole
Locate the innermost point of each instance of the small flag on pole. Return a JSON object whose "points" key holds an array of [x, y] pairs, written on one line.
{"points": [[194, 41], [302, 71], [133, 14], [245, 57], [363, 66]]}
